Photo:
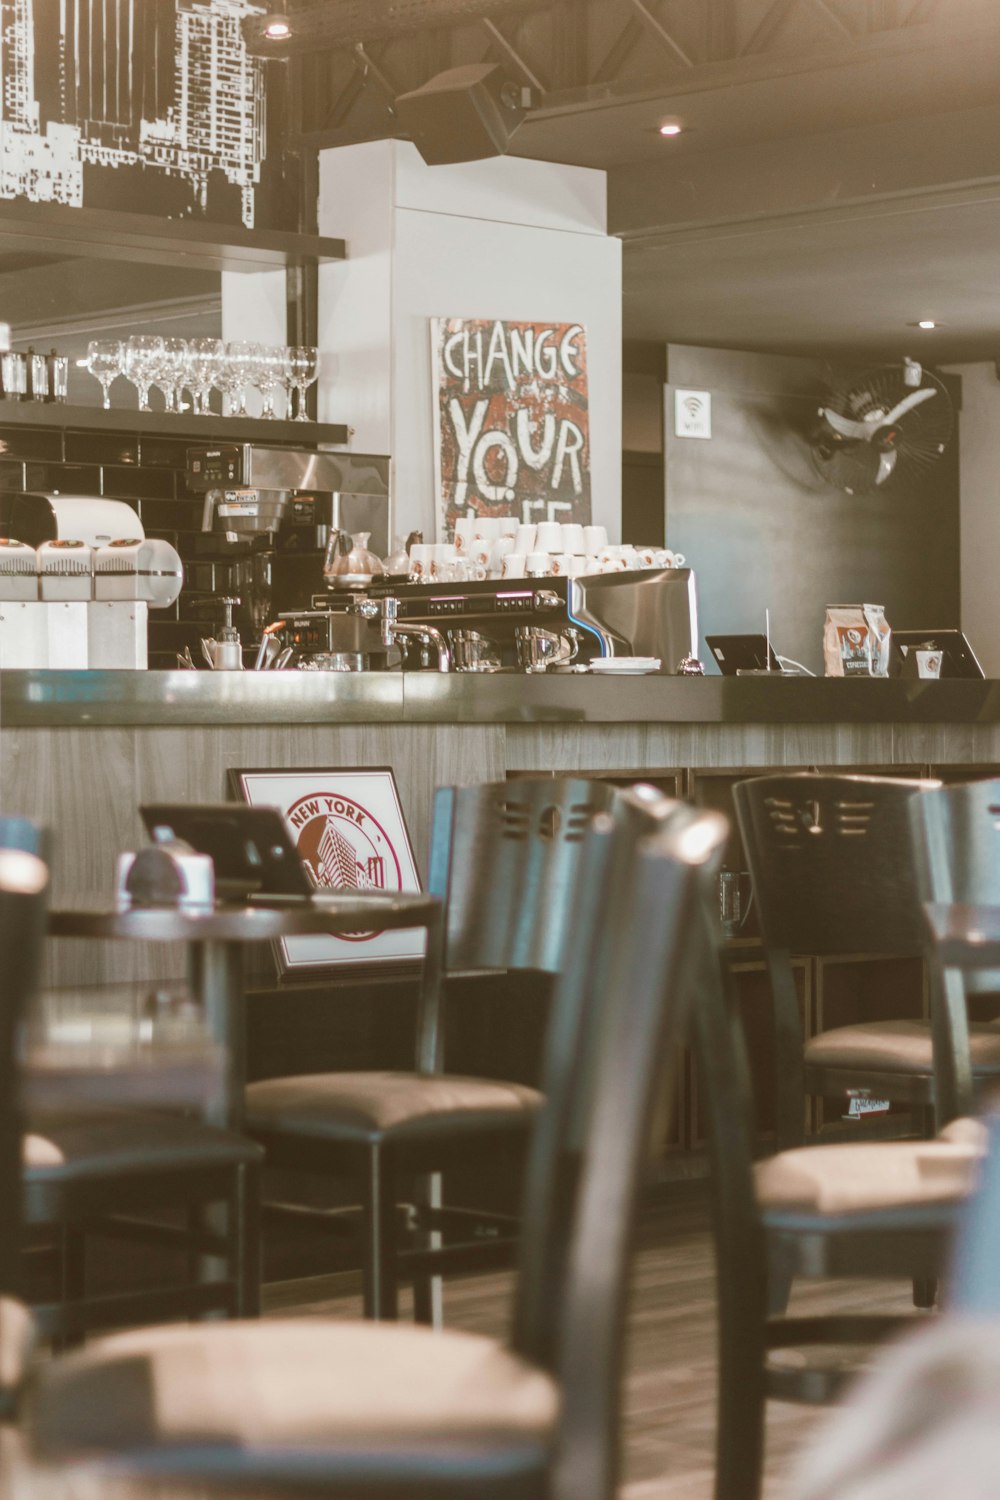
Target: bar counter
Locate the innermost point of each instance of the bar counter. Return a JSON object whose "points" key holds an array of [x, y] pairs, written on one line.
{"points": [[80, 750]]}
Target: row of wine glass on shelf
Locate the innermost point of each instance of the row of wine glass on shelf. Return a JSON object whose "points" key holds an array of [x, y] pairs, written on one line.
{"points": [[203, 365]]}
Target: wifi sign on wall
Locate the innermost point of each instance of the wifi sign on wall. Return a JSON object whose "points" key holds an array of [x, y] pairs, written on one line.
{"points": [[692, 414]]}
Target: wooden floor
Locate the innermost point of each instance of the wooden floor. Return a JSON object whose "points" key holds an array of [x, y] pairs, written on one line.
{"points": [[670, 1398]]}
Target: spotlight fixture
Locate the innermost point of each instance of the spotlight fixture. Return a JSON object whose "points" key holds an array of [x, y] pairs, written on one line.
{"points": [[671, 127], [276, 25], [925, 323]]}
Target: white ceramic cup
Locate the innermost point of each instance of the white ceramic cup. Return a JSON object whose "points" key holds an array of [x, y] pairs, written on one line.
{"points": [[928, 663], [675, 559], [481, 551], [420, 561], [594, 538], [487, 528], [465, 530], [443, 554], [646, 556], [538, 564], [573, 537], [591, 563], [499, 550], [549, 537], [509, 526], [562, 564], [514, 565], [524, 539]]}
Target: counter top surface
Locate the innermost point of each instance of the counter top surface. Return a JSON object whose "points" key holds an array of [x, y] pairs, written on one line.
{"points": [[37, 699]]}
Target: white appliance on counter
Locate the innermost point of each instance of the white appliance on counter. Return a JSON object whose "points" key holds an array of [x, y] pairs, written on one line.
{"points": [[78, 577]]}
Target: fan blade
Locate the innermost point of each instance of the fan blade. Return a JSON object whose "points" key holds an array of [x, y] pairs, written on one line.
{"points": [[846, 428], [915, 398], [886, 464]]}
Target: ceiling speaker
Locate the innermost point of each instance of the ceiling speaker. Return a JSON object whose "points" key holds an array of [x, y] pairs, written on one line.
{"points": [[464, 114]]}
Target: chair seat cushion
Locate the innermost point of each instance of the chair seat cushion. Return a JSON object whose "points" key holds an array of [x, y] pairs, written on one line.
{"points": [[896, 1047], [869, 1177], [77, 1146], [292, 1398], [400, 1107]]}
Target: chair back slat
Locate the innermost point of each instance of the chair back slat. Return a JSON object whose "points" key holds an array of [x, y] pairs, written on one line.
{"points": [[831, 862], [504, 858], [957, 840], [645, 1020], [23, 886]]}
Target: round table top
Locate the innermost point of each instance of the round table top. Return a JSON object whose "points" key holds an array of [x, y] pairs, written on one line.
{"points": [[326, 912]]}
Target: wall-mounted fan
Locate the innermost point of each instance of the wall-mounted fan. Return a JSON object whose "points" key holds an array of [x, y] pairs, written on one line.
{"points": [[893, 420]]}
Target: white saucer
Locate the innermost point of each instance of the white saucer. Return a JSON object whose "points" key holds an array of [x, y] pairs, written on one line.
{"points": [[633, 666]]}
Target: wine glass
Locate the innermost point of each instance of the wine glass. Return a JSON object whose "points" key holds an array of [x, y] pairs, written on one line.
{"points": [[105, 358], [204, 365], [143, 357], [268, 369], [243, 357], [170, 375], [305, 368]]}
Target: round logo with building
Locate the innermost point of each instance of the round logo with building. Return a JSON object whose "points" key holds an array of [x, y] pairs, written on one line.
{"points": [[344, 848]]}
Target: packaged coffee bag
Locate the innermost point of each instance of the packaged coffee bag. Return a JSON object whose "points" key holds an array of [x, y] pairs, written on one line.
{"points": [[856, 641]]}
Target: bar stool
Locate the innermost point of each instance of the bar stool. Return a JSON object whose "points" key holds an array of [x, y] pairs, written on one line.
{"points": [[504, 859], [835, 872]]}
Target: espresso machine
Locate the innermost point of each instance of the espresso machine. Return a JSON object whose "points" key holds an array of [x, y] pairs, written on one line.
{"points": [[522, 624], [267, 517]]}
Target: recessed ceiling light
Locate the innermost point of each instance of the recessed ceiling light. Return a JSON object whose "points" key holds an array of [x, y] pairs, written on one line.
{"points": [[277, 26], [926, 323], [671, 127]]}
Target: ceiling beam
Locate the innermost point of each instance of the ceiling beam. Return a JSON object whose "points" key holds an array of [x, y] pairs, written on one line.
{"points": [[766, 27], [340, 23], [656, 26], [512, 55]]}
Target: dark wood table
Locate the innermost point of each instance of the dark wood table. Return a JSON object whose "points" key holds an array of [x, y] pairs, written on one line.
{"points": [[216, 938]]}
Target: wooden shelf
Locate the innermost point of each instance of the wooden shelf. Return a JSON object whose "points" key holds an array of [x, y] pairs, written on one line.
{"points": [[57, 229], [209, 429]]}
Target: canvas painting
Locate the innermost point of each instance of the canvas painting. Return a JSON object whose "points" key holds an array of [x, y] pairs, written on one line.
{"points": [[512, 426]]}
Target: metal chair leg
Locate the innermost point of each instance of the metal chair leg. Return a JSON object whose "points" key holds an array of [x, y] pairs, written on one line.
{"points": [[378, 1263], [245, 1242]]}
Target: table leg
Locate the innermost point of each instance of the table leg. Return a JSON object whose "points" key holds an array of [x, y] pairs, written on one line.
{"points": [[429, 1294], [216, 976]]}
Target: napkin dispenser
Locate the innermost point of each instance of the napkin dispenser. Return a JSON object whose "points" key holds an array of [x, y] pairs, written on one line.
{"points": [[167, 874]]}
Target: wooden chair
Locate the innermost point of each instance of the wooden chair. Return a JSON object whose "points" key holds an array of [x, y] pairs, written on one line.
{"points": [[95, 1171], [504, 858], [327, 1407], [834, 872]]}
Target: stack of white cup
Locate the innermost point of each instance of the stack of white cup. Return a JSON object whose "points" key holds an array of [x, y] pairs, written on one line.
{"points": [[503, 547]]}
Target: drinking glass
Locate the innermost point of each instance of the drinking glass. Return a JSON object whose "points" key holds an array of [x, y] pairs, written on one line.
{"points": [[204, 366], [243, 358], [105, 361], [171, 372], [304, 364], [143, 357], [269, 370]]}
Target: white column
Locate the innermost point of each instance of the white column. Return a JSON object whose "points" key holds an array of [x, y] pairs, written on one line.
{"points": [[504, 238]]}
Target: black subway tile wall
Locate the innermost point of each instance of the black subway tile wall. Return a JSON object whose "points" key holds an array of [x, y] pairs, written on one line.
{"points": [[148, 473]]}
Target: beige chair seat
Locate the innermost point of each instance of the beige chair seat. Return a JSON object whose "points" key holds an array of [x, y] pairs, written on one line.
{"points": [[872, 1176], [896, 1047], [297, 1400], [365, 1108]]}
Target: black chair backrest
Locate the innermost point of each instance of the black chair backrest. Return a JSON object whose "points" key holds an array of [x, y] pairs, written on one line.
{"points": [[504, 858], [622, 997], [23, 886], [831, 862]]}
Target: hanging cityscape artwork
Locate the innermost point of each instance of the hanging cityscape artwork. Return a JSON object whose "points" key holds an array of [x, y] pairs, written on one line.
{"points": [[142, 105], [512, 430]]}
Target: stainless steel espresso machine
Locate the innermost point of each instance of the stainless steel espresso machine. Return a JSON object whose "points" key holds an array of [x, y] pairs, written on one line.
{"points": [[527, 624], [267, 517]]}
